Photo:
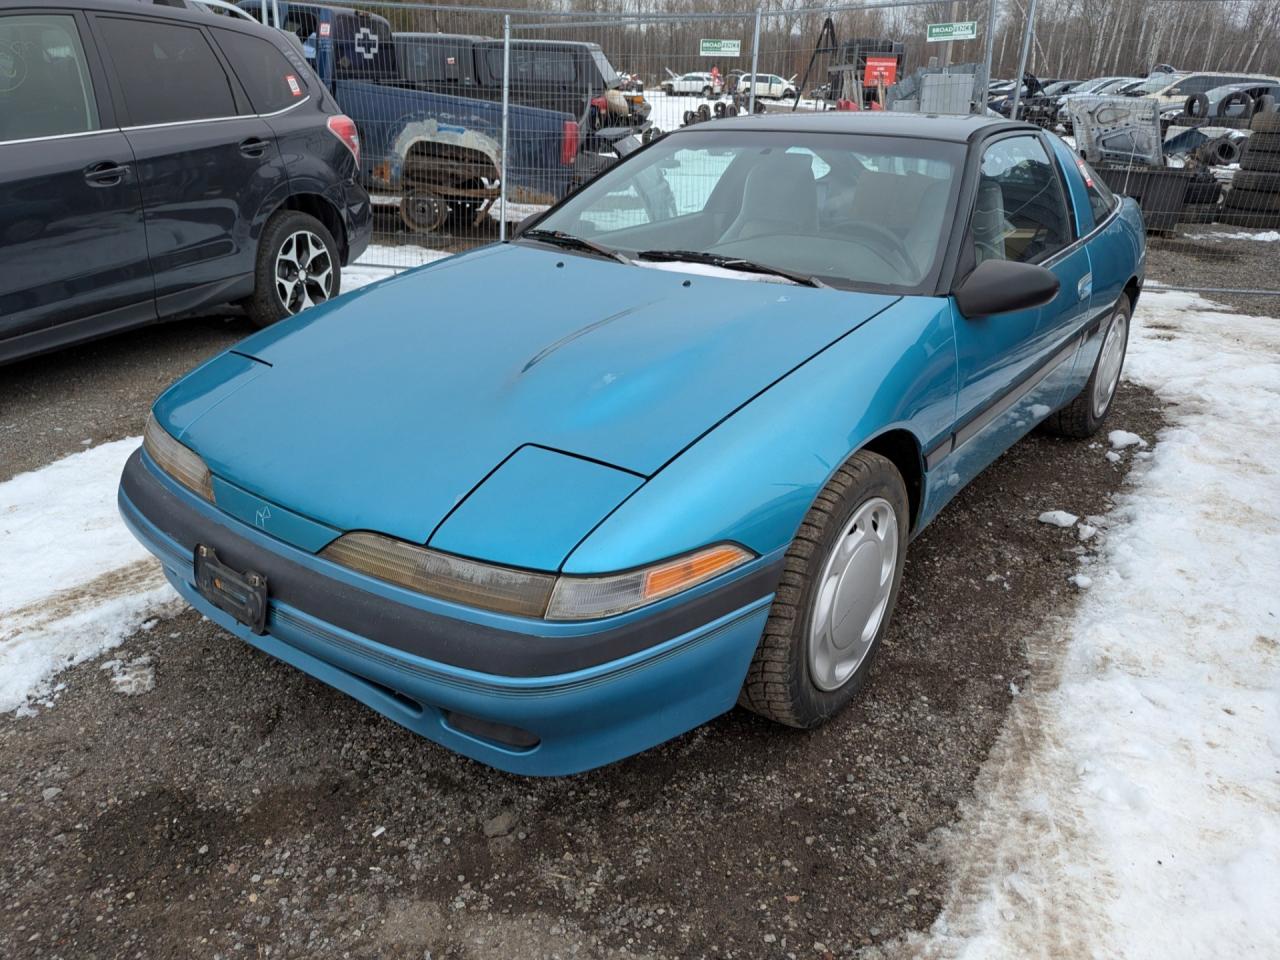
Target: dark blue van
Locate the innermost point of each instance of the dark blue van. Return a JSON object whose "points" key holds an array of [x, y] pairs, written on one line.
{"points": [[156, 159]]}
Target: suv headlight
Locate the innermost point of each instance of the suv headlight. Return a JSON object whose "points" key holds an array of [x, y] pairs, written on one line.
{"points": [[178, 461], [527, 593]]}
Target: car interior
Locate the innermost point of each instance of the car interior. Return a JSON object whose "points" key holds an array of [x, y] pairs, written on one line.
{"points": [[866, 217]]}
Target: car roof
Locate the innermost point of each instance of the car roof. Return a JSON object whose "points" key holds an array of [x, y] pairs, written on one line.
{"points": [[956, 129]]}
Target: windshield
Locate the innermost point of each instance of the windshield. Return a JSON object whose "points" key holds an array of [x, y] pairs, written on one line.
{"points": [[853, 211], [1153, 85], [605, 67]]}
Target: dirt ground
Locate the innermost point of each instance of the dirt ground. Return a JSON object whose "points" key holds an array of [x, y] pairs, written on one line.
{"points": [[242, 809]]}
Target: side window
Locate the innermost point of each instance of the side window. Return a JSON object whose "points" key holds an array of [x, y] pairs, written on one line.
{"points": [[45, 89], [168, 72], [1101, 199], [1020, 212], [267, 77]]}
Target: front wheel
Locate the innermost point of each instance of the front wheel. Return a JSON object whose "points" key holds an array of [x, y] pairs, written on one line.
{"points": [[838, 589], [1083, 416], [298, 266]]}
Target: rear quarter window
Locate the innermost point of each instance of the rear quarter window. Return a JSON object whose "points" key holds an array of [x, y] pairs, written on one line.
{"points": [[271, 82]]}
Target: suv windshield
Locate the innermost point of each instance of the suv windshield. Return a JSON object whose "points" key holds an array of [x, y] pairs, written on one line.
{"points": [[602, 63], [1155, 84], [852, 211]]}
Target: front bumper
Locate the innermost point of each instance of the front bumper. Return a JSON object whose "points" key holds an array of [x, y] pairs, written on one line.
{"points": [[485, 692]]}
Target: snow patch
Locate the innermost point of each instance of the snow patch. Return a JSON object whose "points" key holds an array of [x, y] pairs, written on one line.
{"points": [[1120, 439], [132, 678], [73, 580], [1058, 518], [1130, 807], [381, 260], [1266, 236]]}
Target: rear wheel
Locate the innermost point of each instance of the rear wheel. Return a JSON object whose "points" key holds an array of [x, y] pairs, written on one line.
{"points": [[1085, 414], [837, 592], [298, 266]]}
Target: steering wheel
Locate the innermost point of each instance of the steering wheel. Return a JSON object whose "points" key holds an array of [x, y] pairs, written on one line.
{"points": [[876, 238]]}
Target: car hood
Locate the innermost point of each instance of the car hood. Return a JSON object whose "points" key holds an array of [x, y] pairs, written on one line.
{"points": [[384, 409]]}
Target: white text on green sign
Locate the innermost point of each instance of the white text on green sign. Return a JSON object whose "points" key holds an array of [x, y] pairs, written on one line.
{"points": [[964, 30]]}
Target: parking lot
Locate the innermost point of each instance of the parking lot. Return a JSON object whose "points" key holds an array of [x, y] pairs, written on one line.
{"points": [[241, 808], [553, 504]]}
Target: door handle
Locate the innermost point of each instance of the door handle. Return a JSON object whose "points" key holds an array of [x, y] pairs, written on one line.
{"points": [[106, 174], [253, 147]]}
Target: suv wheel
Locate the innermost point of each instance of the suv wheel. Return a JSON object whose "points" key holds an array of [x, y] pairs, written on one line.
{"points": [[298, 266]]}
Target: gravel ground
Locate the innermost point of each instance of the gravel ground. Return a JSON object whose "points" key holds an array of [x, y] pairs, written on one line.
{"points": [[240, 808], [1199, 257]]}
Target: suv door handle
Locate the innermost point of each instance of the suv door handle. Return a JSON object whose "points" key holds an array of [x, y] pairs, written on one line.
{"points": [[253, 147], [106, 174]]}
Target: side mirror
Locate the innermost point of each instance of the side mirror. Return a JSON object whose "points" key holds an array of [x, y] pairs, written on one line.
{"points": [[1004, 286]]}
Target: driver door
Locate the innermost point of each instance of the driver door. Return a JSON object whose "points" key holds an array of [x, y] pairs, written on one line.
{"points": [[1014, 367]]}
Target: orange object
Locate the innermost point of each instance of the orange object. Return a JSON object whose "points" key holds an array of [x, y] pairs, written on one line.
{"points": [[687, 571]]}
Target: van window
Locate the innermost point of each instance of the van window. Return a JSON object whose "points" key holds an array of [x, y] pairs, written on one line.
{"points": [[45, 89], [270, 81], [168, 72]]}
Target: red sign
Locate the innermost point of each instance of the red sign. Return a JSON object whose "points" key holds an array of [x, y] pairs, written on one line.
{"points": [[880, 70]]}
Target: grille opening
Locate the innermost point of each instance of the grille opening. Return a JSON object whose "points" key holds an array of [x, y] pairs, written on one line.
{"points": [[502, 734], [408, 703]]}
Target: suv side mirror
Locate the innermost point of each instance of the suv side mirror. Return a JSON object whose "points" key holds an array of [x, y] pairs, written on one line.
{"points": [[1004, 286]]}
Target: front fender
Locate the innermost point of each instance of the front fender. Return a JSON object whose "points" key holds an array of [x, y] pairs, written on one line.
{"points": [[752, 478]]}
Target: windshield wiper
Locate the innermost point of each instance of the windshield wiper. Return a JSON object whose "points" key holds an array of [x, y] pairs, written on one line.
{"points": [[559, 238], [727, 263]]}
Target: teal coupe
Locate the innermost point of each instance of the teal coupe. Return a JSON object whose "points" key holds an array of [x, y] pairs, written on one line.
{"points": [[556, 500]]}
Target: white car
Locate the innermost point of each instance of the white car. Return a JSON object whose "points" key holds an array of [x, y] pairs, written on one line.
{"points": [[700, 83], [1174, 88], [766, 85]]}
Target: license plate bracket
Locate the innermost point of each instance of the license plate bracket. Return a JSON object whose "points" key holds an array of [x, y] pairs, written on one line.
{"points": [[243, 595]]}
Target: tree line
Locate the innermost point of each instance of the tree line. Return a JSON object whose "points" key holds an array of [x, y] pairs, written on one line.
{"points": [[1072, 38]]}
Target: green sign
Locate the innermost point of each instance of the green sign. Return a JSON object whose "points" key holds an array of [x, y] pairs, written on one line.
{"points": [[964, 30], [720, 48]]}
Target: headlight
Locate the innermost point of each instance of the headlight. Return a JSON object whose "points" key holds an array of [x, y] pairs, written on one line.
{"points": [[585, 598], [179, 462], [522, 592], [443, 575]]}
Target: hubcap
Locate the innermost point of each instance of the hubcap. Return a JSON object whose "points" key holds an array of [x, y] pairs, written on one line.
{"points": [[1110, 360], [304, 272], [852, 594]]}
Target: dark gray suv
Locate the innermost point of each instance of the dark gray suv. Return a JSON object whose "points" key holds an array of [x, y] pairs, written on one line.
{"points": [[156, 159]]}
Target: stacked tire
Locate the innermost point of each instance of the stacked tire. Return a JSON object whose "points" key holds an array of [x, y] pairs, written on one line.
{"points": [[1254, 197]]}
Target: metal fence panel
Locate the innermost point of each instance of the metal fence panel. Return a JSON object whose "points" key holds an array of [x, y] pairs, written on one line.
{"points": [[473, 117]]}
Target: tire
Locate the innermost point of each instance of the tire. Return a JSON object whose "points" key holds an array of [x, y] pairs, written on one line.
{"points": [[1265, 122], [1260, 162], [788, 94], [1204, 190], [706, 93], [690, 118], [1240, 97], [1263, 141], [1253, 201], [720, 109], [704, 113], [267, 305], [1197, 105], [1256, 180], [781, 681], [1086, 413]]}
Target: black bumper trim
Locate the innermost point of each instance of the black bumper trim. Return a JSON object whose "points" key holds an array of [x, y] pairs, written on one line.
{"points": [[447, 640]]}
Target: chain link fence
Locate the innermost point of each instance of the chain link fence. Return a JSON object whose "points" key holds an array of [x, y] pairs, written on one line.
{"points": [[473, 117]]}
